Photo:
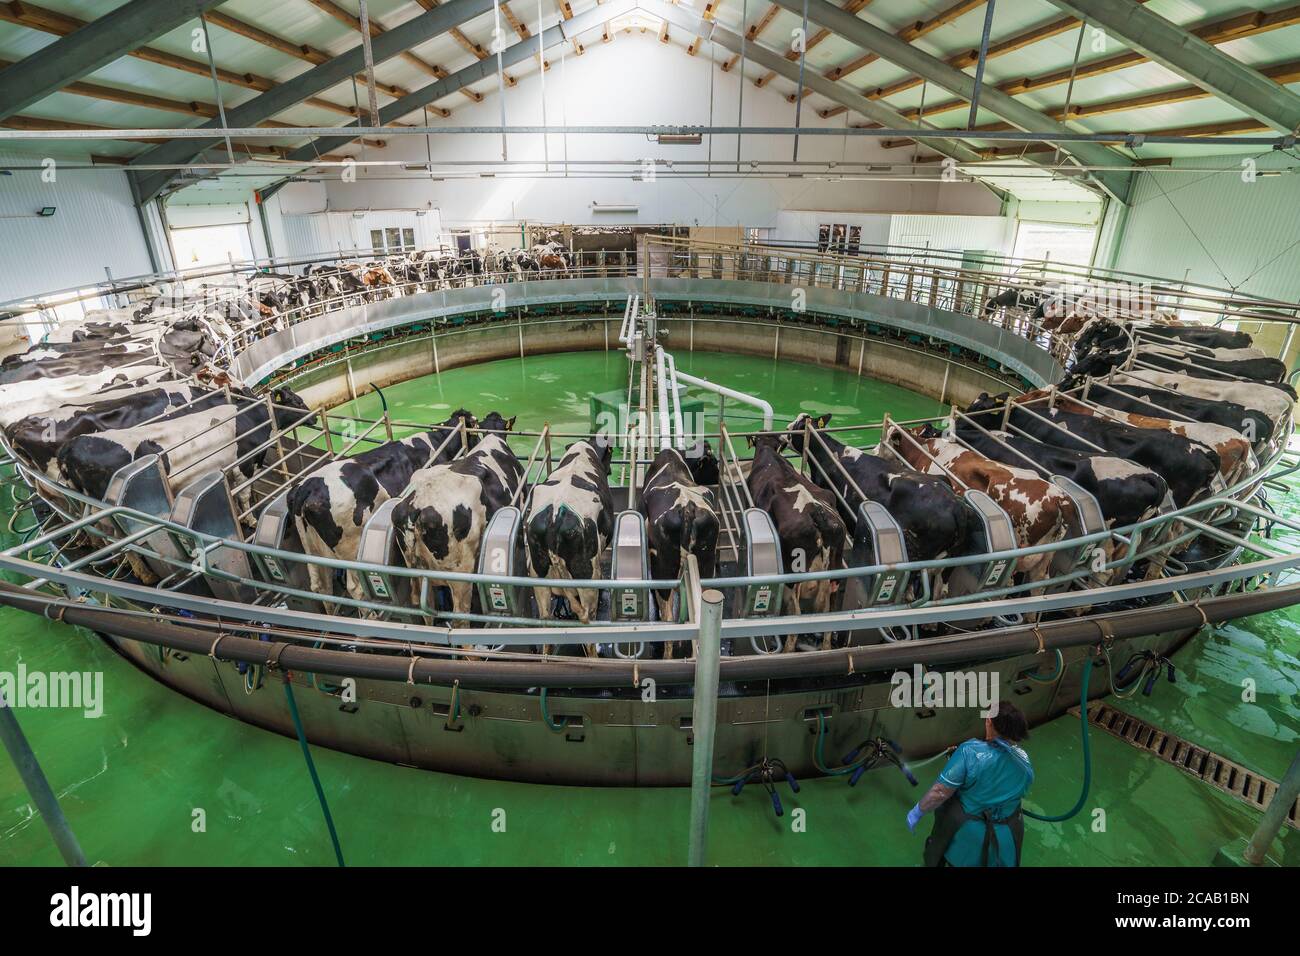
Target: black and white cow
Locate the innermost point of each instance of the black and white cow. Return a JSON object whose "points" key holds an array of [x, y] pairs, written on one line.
{"points": [[332, 503], [1188, 467], [569, 521], [1266, 370], [21, 399], [1268, 400], [1107, 334], [811, 533], [38, 438], [681, 518], [51, 366], [936, 523], [216, 438], [441, 519]]}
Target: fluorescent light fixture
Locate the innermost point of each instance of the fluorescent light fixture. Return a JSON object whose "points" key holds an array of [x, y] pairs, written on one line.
{"points": [[679, 139], [615, 207]]}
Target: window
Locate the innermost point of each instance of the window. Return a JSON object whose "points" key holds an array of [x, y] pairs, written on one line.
{"points": [[1058, 244], [391, 240]]}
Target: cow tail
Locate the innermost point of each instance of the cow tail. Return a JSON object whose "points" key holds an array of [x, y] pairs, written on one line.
{"points": [[688, 529]]}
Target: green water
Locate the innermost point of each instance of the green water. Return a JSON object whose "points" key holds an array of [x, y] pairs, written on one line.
{"points": [[131, 780]]}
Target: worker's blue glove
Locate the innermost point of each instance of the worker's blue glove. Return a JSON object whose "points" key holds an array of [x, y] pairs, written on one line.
{"points": [[914, 817]]}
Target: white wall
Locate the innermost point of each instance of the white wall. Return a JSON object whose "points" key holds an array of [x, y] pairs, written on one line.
{"points": [[94, 225], [626, 83]]}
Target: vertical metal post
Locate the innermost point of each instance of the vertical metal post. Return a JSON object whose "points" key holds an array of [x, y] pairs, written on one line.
{"points": [[979, 65], [20, 752], [216, 88], [1274, 815], [704, 719], [369, 60], [798, 103]]}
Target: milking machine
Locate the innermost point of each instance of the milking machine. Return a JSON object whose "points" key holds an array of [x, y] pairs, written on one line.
{"points": [[630, 561], [142, 486], [276, 530], [877, 541], [206, 506], [379, 546]]}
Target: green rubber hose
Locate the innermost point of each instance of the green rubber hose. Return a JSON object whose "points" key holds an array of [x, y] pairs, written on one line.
{"points": [[1087, 753]]}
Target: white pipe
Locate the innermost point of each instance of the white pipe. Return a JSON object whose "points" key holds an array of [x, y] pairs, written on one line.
{"points": [[665, 427], [629, 318], [677, 401], [758, 403]]}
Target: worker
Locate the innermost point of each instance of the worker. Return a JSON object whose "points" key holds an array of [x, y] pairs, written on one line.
{"points": [[982, 825]]}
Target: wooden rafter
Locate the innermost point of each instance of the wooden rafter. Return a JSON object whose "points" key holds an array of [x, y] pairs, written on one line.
{"points": [[345, 17], [112, 94], [49, 21], [1216, 32], [909, 33], [475, 50], [755, 30], [1282, 73], [851, 6], [38, 123]]}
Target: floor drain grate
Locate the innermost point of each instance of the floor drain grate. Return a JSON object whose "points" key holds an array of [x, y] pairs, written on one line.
{"points": [[1215, 769]]}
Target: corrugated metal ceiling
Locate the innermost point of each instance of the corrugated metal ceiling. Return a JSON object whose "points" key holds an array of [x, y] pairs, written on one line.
{"points": [[308, 22]]}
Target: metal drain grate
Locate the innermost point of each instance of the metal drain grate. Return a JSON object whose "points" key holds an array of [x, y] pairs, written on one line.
{"points": [[1215, 769]]}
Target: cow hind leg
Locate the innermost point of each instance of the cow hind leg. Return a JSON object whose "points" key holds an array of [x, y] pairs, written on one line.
{"points": [[791, 609]]}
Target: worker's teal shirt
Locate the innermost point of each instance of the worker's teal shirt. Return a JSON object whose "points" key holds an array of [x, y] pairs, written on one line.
{"points": [[988, 775]]}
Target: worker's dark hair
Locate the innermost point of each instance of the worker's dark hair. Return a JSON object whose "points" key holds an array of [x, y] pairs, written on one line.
{"points": [[1010, 723]]}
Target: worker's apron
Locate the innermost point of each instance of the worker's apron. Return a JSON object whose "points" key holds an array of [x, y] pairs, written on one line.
{"points": [[951, 816]]}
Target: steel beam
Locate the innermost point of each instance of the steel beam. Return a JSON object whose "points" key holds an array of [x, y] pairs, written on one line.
{"points": [[96, 44], [562, 32], [386, 45], [1193, 59], [777, 63], [917, 61]]}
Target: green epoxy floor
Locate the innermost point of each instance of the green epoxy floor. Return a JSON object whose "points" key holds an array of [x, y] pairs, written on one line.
{"points": [[131, 780]]}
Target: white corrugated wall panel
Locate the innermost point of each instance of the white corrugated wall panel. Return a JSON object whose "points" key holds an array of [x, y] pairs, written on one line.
{"points": [[94, 225], [1217, 230], [953, 233]]}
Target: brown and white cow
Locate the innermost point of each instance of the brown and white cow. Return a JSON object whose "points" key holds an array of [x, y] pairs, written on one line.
{"points": [[1235, 453], [1040, 512]]}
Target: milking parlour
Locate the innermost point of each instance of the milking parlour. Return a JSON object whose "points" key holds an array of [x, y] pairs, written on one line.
{"points": [[641, 433]]}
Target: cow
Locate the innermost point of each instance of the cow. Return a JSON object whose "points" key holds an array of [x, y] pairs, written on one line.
{"points": [[331, 504], [1040, 512], [441, 518], [1233, 450], [1268, 371], [569, 522], [1106, 334], [1159, 402], [1265, 399], [681, 519], [215, 438], [808, 525], [1016, 297], [935, 522], [37, 438], [1126, 492], [51, 367], [1188, 467], [21, 399]]}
